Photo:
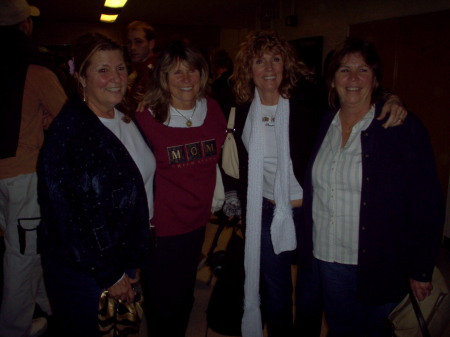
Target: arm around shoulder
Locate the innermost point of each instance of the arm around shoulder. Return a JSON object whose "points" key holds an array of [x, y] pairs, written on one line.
{"points": [[425, 206]]}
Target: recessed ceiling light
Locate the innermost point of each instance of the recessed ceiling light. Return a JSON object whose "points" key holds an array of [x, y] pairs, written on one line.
{"points": [[108, 18], [115, 3]]}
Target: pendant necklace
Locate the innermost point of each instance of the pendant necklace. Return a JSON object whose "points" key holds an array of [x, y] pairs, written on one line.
{"points": [[188, 120], [269, 120]]}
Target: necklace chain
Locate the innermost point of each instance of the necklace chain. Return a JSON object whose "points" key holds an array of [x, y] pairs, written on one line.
{"points": [[188, 120]]}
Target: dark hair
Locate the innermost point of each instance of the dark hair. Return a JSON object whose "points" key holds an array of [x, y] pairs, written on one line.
{"points": [[158, 96], [354, 45], [255, 44], [148, 30], [219, 58]]}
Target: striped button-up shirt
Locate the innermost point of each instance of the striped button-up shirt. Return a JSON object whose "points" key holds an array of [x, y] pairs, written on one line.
{"points": [[336, 178]]}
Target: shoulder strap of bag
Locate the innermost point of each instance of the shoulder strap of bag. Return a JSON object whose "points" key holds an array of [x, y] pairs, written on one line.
{"points": [[422, 323], [230, 125]]}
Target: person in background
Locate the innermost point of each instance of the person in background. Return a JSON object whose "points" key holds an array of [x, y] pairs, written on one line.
{"points": [[277, 117], [222, 92], [186, 131], [95, 190], [221, 69], [31, 97], [140, 45], [372, 205]]}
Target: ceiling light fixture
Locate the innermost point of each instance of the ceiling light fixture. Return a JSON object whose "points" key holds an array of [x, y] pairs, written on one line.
{"points": [[115, 3], [108, 18]]}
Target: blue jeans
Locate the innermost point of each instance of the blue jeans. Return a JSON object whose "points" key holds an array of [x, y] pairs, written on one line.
{"points": [[309, 302], [276, 278], [336, 285], [74, 297]]}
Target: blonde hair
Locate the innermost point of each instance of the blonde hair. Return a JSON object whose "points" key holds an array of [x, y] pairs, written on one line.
{"points": [[158, 96]]}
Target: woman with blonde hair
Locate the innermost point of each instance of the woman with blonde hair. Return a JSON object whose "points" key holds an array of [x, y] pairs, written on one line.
{"points": [[186, 130]]}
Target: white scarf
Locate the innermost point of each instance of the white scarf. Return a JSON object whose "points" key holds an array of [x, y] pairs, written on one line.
{"points": [[282, 227]]}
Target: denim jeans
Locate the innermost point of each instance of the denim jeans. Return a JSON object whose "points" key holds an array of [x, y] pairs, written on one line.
{"points": [[276, 278], [335, 285], [345, 314], [74, 297], [309, 302]]}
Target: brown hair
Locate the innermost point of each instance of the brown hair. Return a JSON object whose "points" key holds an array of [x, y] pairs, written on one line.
{"points": [[148, 30], [255, 44], [86, 46], [367, 50], [158, 96]]}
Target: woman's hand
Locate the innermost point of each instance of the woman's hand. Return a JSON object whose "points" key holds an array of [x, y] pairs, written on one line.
{"points": [[420, 289], [141, 106], [397, 112], [123, 289]]}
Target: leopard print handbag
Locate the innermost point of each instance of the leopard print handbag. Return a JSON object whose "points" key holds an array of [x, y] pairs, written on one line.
{"points": [[117, 318]]}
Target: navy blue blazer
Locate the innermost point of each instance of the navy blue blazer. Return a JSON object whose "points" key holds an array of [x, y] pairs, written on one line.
{"points": [[93, 202]]}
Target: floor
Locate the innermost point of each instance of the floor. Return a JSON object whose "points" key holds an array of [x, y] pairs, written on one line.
{"points": [[198, 325], [205, 282]]}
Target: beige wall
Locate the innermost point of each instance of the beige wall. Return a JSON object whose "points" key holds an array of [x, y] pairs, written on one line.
{"points": [[62, 33], [331, 18], [327, 18]]}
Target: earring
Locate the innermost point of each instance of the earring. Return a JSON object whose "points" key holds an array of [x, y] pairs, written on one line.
{"points": [[84, 93]]}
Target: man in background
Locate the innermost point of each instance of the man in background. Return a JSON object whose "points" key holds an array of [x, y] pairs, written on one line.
{"points": [[31, 96], [140, 46]]}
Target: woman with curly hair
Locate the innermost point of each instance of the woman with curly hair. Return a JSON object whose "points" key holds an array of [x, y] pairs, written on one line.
{"points": [[272, 122], [277, 117]]}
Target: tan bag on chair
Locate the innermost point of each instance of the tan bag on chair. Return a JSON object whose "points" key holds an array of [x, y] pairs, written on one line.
{"points": [[219, 192], [435, 310], [230, 159]]}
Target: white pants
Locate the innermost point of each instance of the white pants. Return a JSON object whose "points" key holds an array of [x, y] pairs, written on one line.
{"points": [[23, 285]]}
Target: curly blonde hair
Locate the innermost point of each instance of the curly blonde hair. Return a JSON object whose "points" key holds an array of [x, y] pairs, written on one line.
{"points": [[255, 45]]}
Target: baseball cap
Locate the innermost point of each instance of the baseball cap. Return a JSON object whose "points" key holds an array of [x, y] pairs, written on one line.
{"points": [[15, 11]]}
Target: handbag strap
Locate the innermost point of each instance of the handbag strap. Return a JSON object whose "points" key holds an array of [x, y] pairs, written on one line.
{"points": [[230, 125], [422, 322]]}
